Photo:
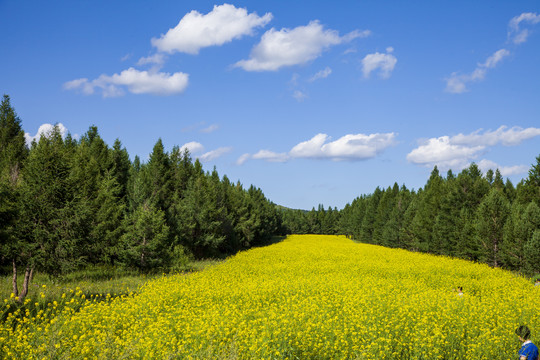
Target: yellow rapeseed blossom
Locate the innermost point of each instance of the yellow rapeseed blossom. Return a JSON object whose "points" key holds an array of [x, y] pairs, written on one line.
{"points": [[308, 297]]}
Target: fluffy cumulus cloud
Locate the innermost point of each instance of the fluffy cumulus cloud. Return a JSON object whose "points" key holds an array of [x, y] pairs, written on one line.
{"points": [[457, 152], [348, 147], [221, 25], [196, 149], [443, 153], [135, 81], [288, 47], [45, 130], [193, 147], [516, 31], [384, 63], [457, 83]]}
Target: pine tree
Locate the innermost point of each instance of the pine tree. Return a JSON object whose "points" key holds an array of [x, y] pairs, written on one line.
{"points": [[13, 152], [384, 208], [427, 212], [109, 221], [120, 167], [391, 231], [145, 243], [532, 253], [407, 236], [519, 229], [368, 221], [52, 219], [199, 219], [13, 148], [490, 220]]}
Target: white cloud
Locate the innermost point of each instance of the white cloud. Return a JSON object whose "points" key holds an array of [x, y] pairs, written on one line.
{"points": [[193, 147], [486, 165], [384, 62], [441, 152], [458, 151], [299, 95], [310, 148], [156, 59], [288, 47], [210, 129], [83, 84], [457, 83], [136, 82], [515, 33], [214, 154], [196, 148], [348, 147], [45, 130], [507, 137], [221, 25], [323, 74], [494, 59], [270, 156], [125, 57], [243, 158]]}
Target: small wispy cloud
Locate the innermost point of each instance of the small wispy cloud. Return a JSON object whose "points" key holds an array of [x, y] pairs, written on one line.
{"points": [[196, 149], [323, 74], [214, 154], [125, 57], [457, 83], [210, 129], [384, 63], [299, 95], [516, 33], [156, 59], [486, 165]]}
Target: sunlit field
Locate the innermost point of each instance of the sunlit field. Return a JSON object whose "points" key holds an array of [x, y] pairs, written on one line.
{"points": [[308, 297]]}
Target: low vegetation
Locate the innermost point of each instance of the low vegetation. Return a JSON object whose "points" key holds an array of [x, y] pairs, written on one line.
{"points": [[316, 297]]}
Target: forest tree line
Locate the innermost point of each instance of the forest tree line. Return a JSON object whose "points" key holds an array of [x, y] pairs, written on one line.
{"points": [[67, 203], [470, 215]]}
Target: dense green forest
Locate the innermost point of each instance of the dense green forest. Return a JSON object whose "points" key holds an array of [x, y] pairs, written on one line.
{"points": [[66, 204], [471, 216], [69, 203]]}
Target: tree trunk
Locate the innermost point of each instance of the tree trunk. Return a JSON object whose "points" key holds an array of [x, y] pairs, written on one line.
{"points": [[15, 289], [142, 252], [28, 274]]}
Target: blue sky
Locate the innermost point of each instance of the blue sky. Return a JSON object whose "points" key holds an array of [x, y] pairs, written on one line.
{"points": [[313, 102]]}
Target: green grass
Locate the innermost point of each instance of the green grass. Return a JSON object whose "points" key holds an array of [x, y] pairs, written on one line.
{"points": [[96, 282]]}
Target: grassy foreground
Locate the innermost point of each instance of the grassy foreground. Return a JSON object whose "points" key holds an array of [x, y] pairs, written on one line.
{"points": [[308, 297]]}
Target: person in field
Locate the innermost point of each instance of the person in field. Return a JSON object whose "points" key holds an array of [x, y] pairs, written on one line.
{"points": [[459, 290], [528, 350], [537, 282]]}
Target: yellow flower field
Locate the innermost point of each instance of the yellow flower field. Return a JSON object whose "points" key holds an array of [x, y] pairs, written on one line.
{"points": [[308, 297]]}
